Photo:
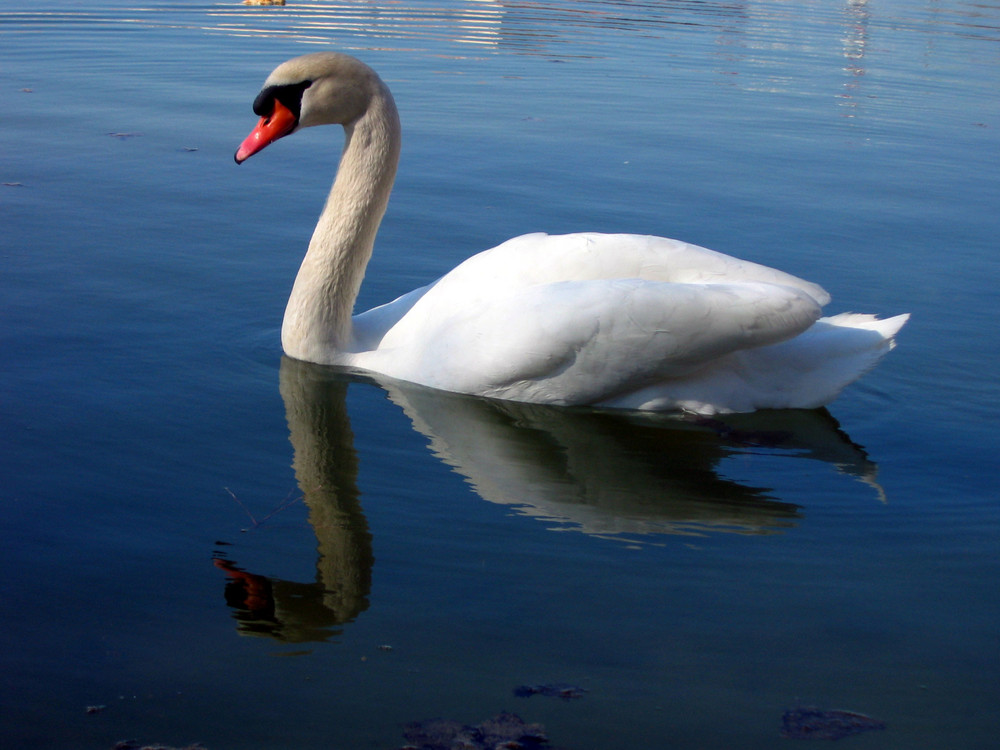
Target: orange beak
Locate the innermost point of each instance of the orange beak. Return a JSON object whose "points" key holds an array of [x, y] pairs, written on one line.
{"points": [[279, 123]]}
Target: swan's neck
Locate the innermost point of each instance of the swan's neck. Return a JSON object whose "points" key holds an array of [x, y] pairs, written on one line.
{"points": [[317, 324]]}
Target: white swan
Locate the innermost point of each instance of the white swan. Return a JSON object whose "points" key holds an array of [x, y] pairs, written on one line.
{"points": [[610, 320]]}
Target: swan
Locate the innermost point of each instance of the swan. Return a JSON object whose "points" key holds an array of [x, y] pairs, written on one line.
{"points": [[607, 320]]}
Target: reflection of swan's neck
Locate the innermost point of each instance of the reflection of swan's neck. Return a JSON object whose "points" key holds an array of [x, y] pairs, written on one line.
{"points": [[318, 317], [326, 468]]}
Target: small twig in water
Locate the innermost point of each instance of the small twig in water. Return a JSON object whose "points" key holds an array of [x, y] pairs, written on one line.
{"points": [[253, 521]]}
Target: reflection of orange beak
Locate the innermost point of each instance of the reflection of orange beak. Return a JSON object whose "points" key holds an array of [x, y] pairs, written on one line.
{"points": [[279, 123], [255, 587]]}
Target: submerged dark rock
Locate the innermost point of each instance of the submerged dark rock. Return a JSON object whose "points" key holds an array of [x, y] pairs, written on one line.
{"points": [[811, 723], [552, 690], [505, 731]]}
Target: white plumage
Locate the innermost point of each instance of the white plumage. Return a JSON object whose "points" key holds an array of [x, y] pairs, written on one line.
{"points": [[622, 321]]}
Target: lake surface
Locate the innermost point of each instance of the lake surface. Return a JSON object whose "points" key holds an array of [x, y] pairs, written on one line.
{"points": [[203, 542]]}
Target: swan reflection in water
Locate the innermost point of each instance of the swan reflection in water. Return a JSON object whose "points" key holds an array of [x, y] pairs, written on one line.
{"points": [[624, 476]]}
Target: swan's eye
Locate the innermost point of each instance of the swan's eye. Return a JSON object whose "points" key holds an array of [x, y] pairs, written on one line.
{"points": [[288, 94]]}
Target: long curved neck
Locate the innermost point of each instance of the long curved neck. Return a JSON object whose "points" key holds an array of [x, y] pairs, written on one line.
{"points": [[317, 324]]}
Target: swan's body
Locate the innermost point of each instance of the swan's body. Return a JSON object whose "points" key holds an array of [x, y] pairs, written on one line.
{"points": [[612, 320]]}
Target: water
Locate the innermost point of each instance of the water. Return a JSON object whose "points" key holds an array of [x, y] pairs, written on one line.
{"points": [[696, 579]]}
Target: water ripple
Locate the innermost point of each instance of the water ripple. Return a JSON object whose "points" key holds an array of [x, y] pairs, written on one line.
{"points": [[557, 28]]}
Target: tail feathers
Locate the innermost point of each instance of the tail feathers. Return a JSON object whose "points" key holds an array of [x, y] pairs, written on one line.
{"points": [[817, 365], [886, 327], [805, 372]]}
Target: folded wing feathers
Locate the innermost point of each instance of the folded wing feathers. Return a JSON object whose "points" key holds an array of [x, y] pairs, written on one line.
{"points": [[584, 318]]}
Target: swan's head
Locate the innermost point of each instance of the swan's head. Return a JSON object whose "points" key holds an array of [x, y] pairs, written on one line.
{"points": [[323, 88]]}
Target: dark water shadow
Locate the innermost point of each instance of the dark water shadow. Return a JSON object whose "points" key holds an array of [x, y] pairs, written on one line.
{"points": [[625, 476]]}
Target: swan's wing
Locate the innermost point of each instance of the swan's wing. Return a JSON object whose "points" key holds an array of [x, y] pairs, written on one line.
{"points": [[545, 259], [371, 326], [585, 341], [542, 259]]}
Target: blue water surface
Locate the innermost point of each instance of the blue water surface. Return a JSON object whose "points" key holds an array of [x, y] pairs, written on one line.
{"points": [[203, 541]]}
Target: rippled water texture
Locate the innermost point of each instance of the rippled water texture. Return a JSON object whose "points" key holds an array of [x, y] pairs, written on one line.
{"points": [[201, 541]]}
